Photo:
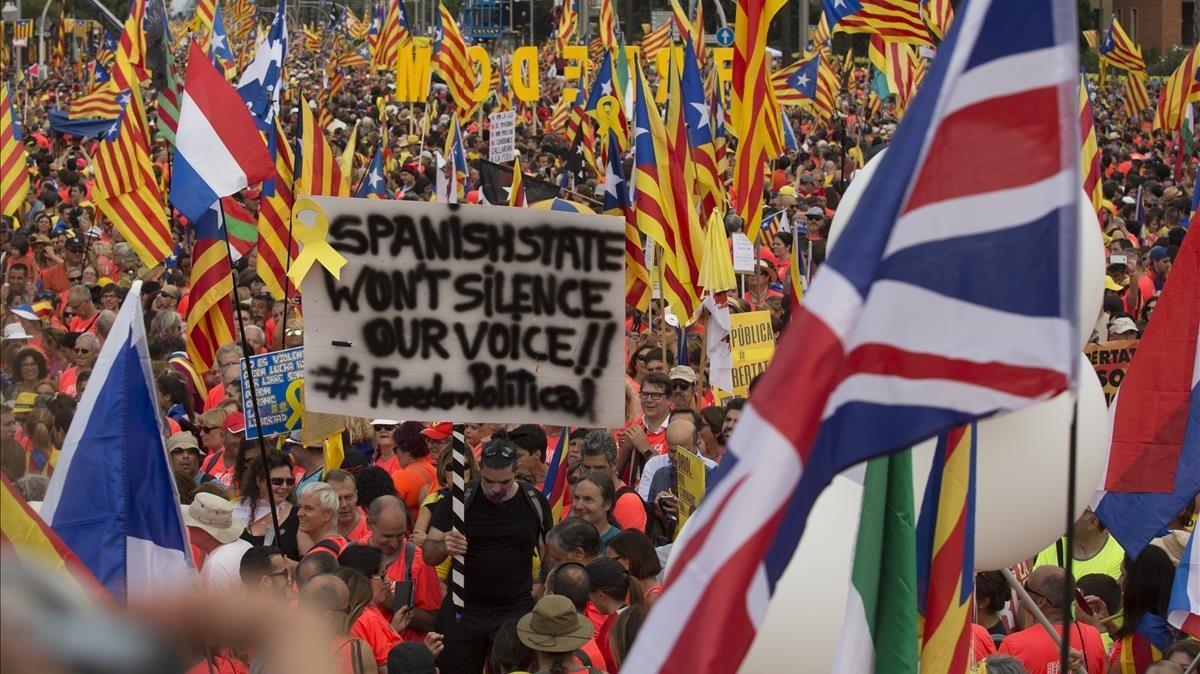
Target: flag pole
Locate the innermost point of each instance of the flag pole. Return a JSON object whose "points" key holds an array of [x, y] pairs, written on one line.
{"points": [[1029, 605], [458, 517], [245, 363], [1068, 598]]}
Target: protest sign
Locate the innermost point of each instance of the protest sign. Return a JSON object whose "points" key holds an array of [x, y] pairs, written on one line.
{"points": [[463, 313], [278, 383], [752, 341], [1110, 360], [743, 254], [502, 142], [692, 483]]}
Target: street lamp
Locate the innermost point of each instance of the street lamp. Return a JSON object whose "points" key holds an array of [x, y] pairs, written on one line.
{"points": [[11, 13]]}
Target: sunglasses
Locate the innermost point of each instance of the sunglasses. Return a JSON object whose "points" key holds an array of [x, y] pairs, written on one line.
{"points": [[83, 351], [283, 481], [682, 385], [74, 279], [166, 294], [206, 429], [499, 449]]}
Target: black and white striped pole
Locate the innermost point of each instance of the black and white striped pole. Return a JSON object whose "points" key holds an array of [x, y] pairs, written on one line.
{"points": [[458, 516]]}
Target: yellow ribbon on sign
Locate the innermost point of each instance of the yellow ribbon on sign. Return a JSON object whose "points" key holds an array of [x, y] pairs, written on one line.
{"points": [[310, 227], [607, 109], [295, 398]]}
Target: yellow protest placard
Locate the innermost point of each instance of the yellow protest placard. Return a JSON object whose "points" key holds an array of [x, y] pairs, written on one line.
{"points": [[752, 340], [692, 483]]}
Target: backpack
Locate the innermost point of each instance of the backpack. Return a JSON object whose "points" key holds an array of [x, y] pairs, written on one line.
{"points": [[471, 490]]}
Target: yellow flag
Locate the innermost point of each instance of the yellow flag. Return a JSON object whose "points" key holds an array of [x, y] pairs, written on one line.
{"points": [[346, 163], [716, 265], [335, 452]]}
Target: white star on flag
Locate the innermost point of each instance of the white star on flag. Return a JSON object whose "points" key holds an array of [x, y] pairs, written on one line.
{"points": [[374, 178], [703, 110]]}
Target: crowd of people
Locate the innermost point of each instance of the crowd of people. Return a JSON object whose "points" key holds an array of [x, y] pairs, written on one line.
{"points": [[367, 546]]}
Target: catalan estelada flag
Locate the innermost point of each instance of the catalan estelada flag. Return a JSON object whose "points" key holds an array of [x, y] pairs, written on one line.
{"points": [[100, 104], [655, 40], [126, 190], [937, 15], [319, 172], [946, 555], [210, 313], [516, 190], [897, 20], [14, 176], [202, 23], [1119, 50], [39, 546], [555, 487], [1136, 95]]}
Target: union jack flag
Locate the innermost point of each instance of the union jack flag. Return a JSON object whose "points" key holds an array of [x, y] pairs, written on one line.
{"points": [[961, 181]]}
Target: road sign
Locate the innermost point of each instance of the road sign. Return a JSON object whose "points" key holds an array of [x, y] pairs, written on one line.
{"points": [[725, 36]]}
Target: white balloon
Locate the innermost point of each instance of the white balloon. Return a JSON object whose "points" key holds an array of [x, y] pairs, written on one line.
{"points": [[1091, 247], [1021, 476], [1020, 510]]}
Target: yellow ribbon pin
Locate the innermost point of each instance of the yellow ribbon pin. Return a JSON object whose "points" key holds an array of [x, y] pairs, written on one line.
{"points": [[607, 109], [311, 228], [295, 399]]}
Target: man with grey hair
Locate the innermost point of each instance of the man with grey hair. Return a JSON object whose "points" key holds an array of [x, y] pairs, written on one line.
{"points": [[599, 452], [127, 258], [87, 350], [104, 324], [79, 310], [317, 513], [165, 324]]}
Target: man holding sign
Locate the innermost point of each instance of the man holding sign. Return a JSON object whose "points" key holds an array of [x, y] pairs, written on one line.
{"points": [[670, 510]]}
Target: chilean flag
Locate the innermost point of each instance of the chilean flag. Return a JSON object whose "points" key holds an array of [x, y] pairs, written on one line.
{"points": [[218, 149], [1154, 460]]}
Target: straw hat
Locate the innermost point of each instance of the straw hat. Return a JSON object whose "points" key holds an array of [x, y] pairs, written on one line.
{"points": [[214, 515]]}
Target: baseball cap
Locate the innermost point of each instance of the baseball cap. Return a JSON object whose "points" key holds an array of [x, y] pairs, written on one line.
{"points": [[384, 422], [24, 311], [815, 211], [411, 657], [683, 373], [438, 430], [235, 422], [787, 191], [1122, 324], [1158, 253]]}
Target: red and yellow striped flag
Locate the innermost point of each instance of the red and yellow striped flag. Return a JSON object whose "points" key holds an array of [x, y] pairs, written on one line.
{"points": [[319, 172], [608, 26], [896, 20], [654, 202], [100, 104], [126, 190], [454, 66], [555, 487], [1119, 50], [689, 235], [38, 546], [946, 555], [1089, 150], [901, 72], [752, 107], [1181, 89], [274, 222], [392, 36], [516, 189], [937, 15], [655, 40], [203, 21], [130, 68], [1135, 92], [210, 309], [821, 36], [567, 22], [14, 176]]}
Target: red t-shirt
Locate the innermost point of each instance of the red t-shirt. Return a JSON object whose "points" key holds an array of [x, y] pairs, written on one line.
{"points": [[360, 531], [1039, 654], [427, 588], [377, 631], [630, 511]]}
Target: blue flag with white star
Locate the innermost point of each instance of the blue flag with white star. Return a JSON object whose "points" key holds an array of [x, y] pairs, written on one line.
{"points": [[374, 184]]}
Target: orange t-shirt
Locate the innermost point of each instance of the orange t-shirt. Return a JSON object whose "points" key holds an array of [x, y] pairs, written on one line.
{"points": [[215, 395], [427, 588], [374, 629], [630, 511], [982, 643], [361, 531], [68, 380], [592, 650], [408, 481], [1038, 652]]}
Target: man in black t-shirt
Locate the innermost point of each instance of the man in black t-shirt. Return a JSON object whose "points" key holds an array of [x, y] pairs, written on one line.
{"points": [[505, 525]]}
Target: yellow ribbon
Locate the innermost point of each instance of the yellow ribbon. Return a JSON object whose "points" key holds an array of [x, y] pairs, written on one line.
{"points": [[310, 227], [295, 399], [607, 109]]}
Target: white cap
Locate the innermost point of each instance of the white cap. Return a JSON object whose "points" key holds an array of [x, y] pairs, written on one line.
{"points": [[1121, 324], [16, 331], [385, 422]]}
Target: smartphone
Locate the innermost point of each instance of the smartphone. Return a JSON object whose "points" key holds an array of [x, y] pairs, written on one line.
{"points": [[402, 594], [1081, 602]]}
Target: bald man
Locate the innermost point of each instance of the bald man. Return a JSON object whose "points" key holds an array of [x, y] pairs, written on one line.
{"points": [[387, 522], [682, 431], [1049, 587], [328, 597], [682, 435]]}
